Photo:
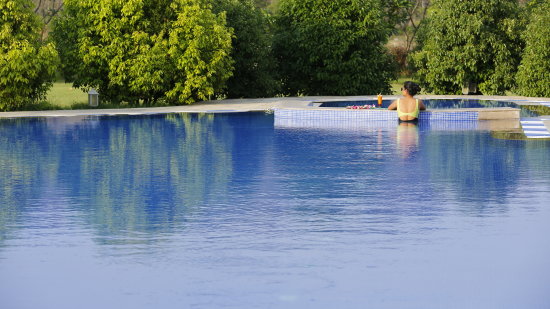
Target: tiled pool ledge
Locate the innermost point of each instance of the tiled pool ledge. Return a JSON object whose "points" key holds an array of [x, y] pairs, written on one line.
{"points": [[342, 114]]}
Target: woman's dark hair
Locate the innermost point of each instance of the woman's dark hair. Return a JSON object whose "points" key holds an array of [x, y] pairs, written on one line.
{"points": [[412, 88]]}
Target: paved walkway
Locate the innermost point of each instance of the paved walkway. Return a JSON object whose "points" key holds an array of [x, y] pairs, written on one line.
{"points": [[243, 105]]}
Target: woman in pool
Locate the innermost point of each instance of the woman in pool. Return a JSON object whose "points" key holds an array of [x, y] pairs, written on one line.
{"points": [[408, 107]]}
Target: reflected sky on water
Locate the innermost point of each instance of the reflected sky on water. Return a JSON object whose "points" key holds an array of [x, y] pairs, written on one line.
{"points": [[230, 211]]}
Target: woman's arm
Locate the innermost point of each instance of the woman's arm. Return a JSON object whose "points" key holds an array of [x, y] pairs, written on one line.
{"points": [[393, 105]]}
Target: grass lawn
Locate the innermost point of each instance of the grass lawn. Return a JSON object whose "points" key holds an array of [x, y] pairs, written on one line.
{"points": [[63, 95]]}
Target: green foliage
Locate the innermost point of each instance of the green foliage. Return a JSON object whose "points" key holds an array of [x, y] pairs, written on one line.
{"points": [[65, 35], [261, 3], [142, 51], [254, 62], [533, 77], [333, 47], [396, 11], [27, 67], [475, 40], [533, 4]]}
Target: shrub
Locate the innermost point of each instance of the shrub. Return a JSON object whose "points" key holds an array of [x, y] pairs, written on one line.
{"points": [[255, 65], [145, 50], [333, 47], [533, 77]]}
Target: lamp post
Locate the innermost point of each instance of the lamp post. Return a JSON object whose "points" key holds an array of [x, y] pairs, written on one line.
{"points": [[93, 98], [469, 88]]}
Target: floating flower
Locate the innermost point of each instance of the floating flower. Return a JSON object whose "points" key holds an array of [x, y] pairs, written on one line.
{"points": [[366, 106]]}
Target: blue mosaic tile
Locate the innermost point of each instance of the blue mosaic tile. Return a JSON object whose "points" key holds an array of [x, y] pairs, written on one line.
{"points": [[370, 115], [365, 119], [450, 125]]}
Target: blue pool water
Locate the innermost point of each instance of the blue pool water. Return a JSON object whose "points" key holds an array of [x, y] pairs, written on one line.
{"points": [[442, 104], [230, 211]]}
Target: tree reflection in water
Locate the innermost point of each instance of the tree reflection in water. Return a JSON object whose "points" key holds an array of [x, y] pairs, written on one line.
{"points": [[122, 174]]}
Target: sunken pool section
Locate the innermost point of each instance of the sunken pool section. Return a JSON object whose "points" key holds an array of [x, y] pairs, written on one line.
{"points": [[442, 104], [460, 114], [220, 210], [431, 103]]}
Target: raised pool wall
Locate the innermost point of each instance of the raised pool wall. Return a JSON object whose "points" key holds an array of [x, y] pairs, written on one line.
{"points": [[470, 114], [502, 118]]}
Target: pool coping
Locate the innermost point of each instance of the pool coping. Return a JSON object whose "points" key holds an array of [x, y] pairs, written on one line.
{"points": [[251, 105]]}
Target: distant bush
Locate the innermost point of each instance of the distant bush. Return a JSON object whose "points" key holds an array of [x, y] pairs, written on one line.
{"points": [[27, 67], [399, 53], [533, 77], [142, 51], [333, 47], [469, 41]]}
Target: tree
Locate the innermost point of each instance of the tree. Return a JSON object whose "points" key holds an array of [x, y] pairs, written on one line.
{"points": [[262, 3], [410, 15], [333, 47], [27, 68], [142, 51], [470, 41], [255, 64], [416, 12], [533, 77], [397, 11], [47, 10]]}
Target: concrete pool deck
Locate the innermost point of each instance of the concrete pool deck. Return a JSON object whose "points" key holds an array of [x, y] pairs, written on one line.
{"points": [[245, 105]]}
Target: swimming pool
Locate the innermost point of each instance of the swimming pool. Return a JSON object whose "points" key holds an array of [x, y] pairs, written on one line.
{"points": [[442, 104], [232, 211]]}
